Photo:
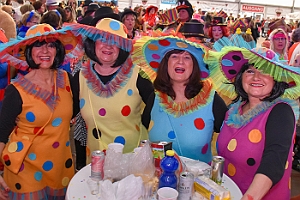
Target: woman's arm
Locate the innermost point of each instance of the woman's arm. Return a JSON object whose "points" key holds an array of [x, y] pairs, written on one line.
{"points": [[146, 116], [219, 111], [279, 133]]}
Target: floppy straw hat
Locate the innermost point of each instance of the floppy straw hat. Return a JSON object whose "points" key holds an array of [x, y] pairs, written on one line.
{"points": [[225, 65], [13, 51], [153, 51]]}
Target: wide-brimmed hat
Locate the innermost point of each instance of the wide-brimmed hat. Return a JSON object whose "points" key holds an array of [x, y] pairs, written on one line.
{"points": [[279, 23], [13, 51], [169, 17], [104, 12], [150, 7], [154, 49], [193, 28], [52, 2], [128, 11], [225, 65], [87, 3], [92, 7], [218, 21], [107, 30]]}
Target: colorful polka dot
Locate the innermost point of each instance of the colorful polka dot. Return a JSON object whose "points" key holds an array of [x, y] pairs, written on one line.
{"points": [[120, 139], [56, 122], [48, 165], [12, 147], [115, 26], [69, 163], [81, 103], [255, 136], [20, 146], [22, 167], [67, 143], [155, 56], [227, 63], [32, 156], [68, 88], [47, 29], [171, 135], [181, 45], [204, 149], [154, 64], [232, 145], [30, 117], [18, 186], [203, 74], [231, 169], [37, 130], [236, 57], [153, 47], [5, 157], [199, 123], [164, 42], [69, 47], [102, 112], [38, 176], [251, 161], [55, 145], [126, 111], [129, 92], [65, 181], [96, 134]]}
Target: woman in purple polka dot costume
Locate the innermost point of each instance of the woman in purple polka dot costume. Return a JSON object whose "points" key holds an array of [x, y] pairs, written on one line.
{"points": [[37, 107], [256, 138], [109, 90], [184, 109]]}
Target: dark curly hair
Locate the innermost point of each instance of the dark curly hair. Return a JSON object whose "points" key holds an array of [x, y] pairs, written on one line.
{"points": [[59, 57], [277, 91], [163, 80], [89, 48]]}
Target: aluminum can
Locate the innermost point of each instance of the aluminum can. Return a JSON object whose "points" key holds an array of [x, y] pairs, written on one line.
{"points": [[186, 186], [97, 172], [142, 143], [217, 167]]}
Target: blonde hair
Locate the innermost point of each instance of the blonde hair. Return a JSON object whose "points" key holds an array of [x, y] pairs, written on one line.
{"points": [[26, 15], [25, 8], [275, 31]]}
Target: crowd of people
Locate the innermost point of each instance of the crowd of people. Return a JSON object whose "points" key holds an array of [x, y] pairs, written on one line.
{"points": [[144, 74]]}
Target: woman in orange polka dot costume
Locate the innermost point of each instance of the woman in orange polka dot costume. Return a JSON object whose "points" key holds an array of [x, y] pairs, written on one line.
{"points": [[256, 139], [37, 107], [184, 109], [109, 90]]}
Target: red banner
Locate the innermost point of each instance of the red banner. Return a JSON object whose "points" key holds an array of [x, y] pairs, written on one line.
{"points": [[250, 8]]}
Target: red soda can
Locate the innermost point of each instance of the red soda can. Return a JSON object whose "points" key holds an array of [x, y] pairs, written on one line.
{"points": [[98, 158]]}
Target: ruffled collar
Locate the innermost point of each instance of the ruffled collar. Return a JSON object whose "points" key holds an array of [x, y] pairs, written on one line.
{"points": [[49, 98], [113, 86], [204, 97], [236, 119]]}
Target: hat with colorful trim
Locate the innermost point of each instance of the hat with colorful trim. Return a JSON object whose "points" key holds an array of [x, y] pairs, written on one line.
{"points": [[155, 49], [107, 30], [13, 51], [225, 65], [168, 17], [218, 21]]}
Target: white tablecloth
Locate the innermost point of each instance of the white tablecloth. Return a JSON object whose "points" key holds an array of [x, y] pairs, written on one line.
{"points": [[78, 188]]}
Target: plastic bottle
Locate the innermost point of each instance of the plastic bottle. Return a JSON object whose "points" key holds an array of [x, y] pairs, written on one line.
{"points": [[169, 164]]}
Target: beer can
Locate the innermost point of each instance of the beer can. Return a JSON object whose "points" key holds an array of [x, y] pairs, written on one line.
{"points": [[185, 186], [217, 167], [97, 172]]}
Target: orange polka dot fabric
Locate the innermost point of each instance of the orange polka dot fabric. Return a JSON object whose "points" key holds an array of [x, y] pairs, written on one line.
{"points": [[242, 145]]}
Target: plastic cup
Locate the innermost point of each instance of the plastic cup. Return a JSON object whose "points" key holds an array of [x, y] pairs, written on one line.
{"points": [[93, 186], [117, 147], [167, 193]]}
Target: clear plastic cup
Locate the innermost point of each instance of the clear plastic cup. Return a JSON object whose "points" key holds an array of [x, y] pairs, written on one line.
{"points": [[167, 193], [117, 147], [93, 186]]}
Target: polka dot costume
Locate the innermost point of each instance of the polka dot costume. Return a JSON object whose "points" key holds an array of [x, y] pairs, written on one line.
{"points": [[242, 149], [190, 132], [155, 50], [118, 114], [48, 166]]}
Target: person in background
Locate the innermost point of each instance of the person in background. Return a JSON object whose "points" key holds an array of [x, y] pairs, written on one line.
{"points": [[257, 154], [129, 18], [28, 20], [25, 8], [107, 76], [52, 17], [36, 114], [150, 18], [39, 7], [218, 29], [70, 14], [51, 4], [73, 4], [184, 109], [279, 43]]}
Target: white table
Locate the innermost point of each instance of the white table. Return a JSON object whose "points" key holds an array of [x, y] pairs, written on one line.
{"points": [[78, 188]]}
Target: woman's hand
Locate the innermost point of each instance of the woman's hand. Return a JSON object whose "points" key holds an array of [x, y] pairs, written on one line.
{"points": [[5, 190]]}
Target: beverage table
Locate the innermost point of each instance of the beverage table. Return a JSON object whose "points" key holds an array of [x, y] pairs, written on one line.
{"points": [[78, 188]]}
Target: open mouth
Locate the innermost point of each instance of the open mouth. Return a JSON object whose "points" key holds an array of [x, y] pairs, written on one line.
{"points": [[179, 70], [256, 85], [44, 58], [107, 52]]}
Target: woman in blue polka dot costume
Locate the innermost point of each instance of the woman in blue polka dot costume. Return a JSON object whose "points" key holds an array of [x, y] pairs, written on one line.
{"points": [[37, 107], [109, 90]]}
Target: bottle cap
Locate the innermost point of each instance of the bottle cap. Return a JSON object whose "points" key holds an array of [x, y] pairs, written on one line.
{"points": [[170, 153]]}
